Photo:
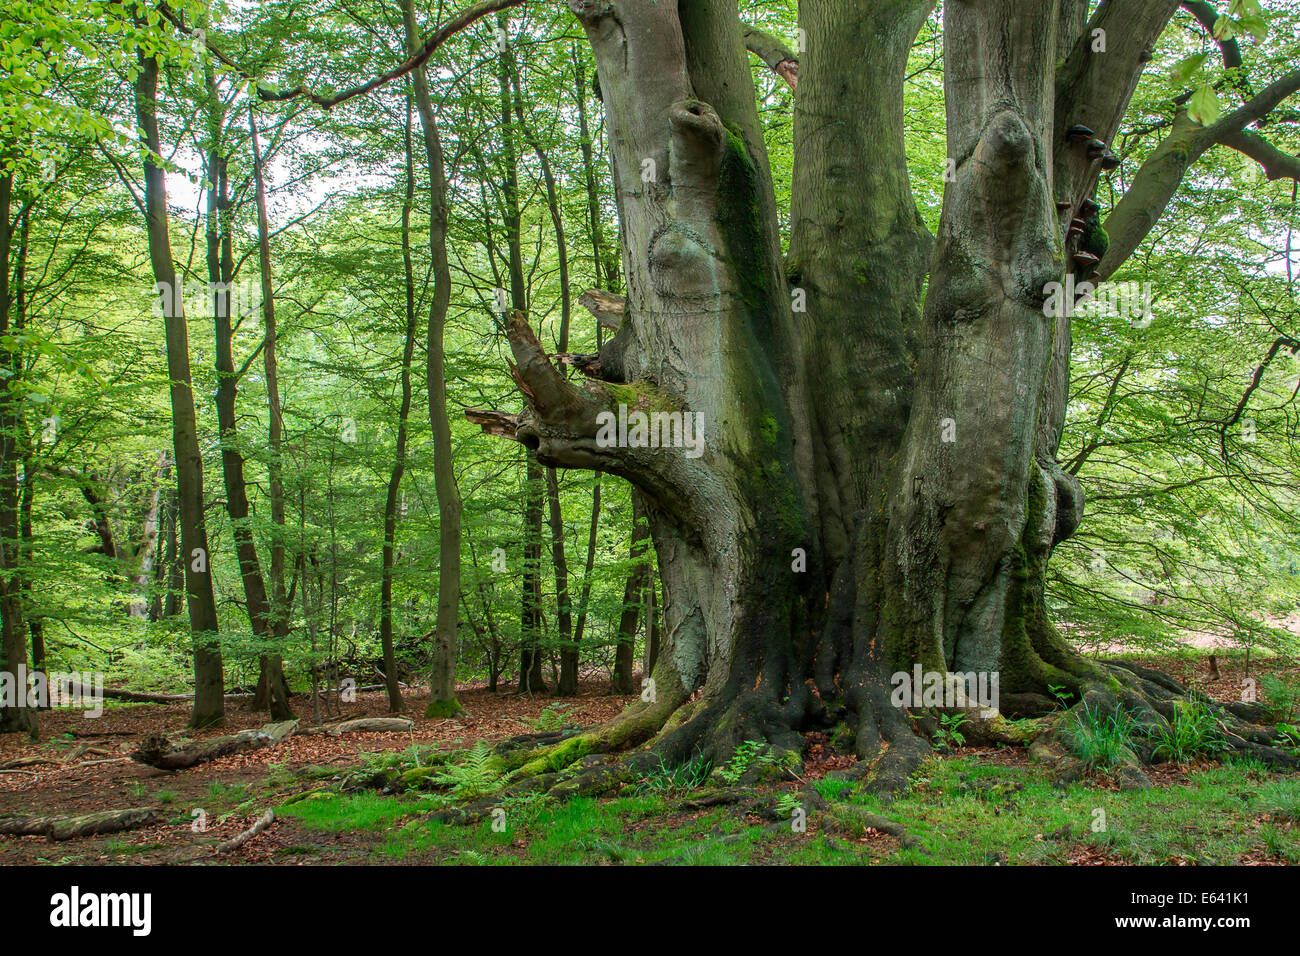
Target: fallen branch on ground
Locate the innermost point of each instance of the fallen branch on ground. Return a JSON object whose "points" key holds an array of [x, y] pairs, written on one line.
{"points": [[264, 821], [157, 751]]}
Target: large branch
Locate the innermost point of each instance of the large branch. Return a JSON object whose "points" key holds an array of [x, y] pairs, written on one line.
{"points": [[1158, 179], [774, 53], [1207, 15], [465, 18], [1276, 163], [1093, 89]]}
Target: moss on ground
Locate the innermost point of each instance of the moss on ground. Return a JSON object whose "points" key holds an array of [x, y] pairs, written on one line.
{"points": [[966, 809]]}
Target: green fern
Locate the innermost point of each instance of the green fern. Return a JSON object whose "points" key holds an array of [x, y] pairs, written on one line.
{"points": [[474, 776], [552, 718]]}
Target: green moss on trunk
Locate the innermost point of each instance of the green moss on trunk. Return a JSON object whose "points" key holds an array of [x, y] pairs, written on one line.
{"points": [[443, 708]]}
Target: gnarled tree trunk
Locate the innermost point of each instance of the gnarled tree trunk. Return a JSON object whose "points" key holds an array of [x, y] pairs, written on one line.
{"points": [[877, 488]]}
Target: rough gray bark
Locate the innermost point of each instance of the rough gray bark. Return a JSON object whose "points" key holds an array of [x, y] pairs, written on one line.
{"points": [[900, 450]]}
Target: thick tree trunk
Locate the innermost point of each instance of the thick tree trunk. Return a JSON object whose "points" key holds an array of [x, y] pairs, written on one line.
{"points": [[958, 501], [209, 703], [877, 489], [708, 334]]}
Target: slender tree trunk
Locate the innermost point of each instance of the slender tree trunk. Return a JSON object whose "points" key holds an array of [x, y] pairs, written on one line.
{"points": [[146, 554], [584, 598], [494, 633], [13, 632], [604, 263], [30, 448], [442, 678], [652, 622], [171, 574], [531, 680], [209, 703], [272, 686], [35, 623], [638, 582], [220, 256], [567, 685], [605, 278], [399, 463]]}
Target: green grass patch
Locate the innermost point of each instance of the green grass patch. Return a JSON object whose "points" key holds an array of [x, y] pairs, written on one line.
{"points": [[966, 810]]}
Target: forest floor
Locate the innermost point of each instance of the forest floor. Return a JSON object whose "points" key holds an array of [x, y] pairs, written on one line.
{"points": [[970, 806]]}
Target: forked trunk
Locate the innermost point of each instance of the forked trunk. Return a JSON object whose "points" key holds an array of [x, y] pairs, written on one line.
{"points": [[876, 489]]}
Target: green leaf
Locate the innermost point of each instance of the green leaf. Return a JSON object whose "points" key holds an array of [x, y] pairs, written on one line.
{"points": [[1255, 25], [1185, 68], [1223, 29], [1204, 106]]}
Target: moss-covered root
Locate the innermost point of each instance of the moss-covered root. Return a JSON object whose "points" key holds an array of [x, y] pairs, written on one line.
{"points": [[1159, 712], [999, 730], [638, 724], [439, 709]]}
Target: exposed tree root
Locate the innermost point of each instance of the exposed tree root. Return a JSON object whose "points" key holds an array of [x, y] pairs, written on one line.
{"points": [[1167, 719], [777, 690]]}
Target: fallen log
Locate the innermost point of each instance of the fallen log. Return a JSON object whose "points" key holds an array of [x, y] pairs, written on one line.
{"points": [[26, 761], [264, 821], [89, 824], [132, 696], [136, 696], [374, 725], [157, 751]]}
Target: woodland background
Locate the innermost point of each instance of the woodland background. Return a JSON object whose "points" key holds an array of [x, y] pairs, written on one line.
{"points": [[1185, 432]]}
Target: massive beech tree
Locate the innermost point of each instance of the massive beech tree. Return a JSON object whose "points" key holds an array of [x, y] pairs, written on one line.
{"points": [[882, 407]]}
